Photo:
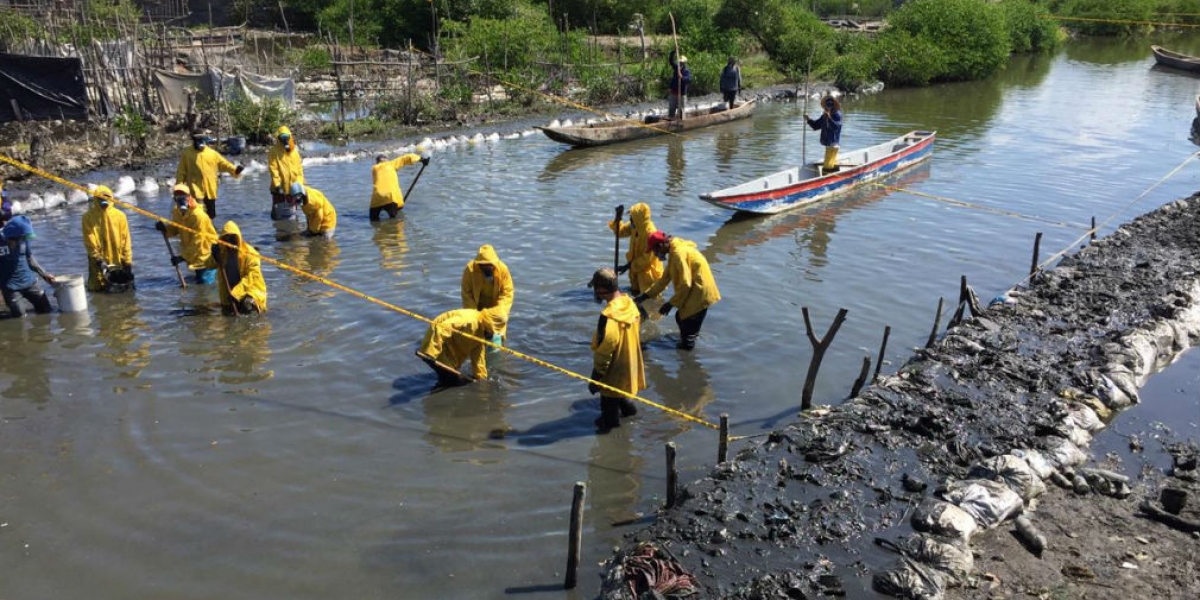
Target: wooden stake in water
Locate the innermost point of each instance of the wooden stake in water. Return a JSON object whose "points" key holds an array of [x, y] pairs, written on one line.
{"points": [[575, 543], [1037, 248], [672, 475], [819, 348], [723, 444], [937, 323], [887, 332]]}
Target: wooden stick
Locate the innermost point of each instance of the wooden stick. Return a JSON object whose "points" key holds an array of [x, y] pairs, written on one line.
{"points": [[887, 332], [575, 542], [672, 475], [678, 69], [1093, 234], [862, 377], [1037, 246], [819, 348], [178, 273], [723, 444], [937, 324]]}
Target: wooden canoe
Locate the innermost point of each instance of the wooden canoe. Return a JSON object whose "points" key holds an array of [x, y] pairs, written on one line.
{"points": [[806, 184], [623, 130], [1175, 60]]}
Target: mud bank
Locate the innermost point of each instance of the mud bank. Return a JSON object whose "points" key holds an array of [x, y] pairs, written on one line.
{"points": [[898, 490]]}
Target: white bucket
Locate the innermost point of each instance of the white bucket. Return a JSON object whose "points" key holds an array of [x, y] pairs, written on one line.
{"points": [[68, 290]]}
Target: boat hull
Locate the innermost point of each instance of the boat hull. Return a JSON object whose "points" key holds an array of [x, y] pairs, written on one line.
{"points": [[778, 193], [612, 132], [1175, 60]]}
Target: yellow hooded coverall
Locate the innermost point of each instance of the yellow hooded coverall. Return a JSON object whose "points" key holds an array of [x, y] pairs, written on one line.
{"points": [[249, 268], [644, 266], [319, 211], [105, 237], [478, 292], [443, 345], [199, 168], [284, 163], [387, 183], [617, 350], [688, 272], [195, 248]]}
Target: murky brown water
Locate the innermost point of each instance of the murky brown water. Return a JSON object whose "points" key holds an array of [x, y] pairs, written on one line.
{"points": [[152, 448]]}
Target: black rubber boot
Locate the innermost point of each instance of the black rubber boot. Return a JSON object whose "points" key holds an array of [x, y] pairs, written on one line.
{"points": [[610, 415]]}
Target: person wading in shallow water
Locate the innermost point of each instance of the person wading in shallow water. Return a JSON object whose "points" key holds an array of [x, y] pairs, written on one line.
{"points": [[198, 168], [695, 289], [444, 347], [386, 196], [17, 265], [616, 351]]}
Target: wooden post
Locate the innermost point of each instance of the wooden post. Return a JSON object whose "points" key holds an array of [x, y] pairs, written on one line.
{"points": [[819, 347], [1093, 229], [672, 475], [862, 377], [1037, 246], [723, 444], [937, 324], [887, 332], [575, 543]]}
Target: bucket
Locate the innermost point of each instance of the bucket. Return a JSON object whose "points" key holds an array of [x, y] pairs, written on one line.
{"points": [[68, 290], [235, 145]]}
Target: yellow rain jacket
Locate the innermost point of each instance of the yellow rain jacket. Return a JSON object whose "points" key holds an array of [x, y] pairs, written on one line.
{"points": [[617, 347], [480, 293], [644, 266], [105, 237], [688, 272], [443, 345], [249, 267], [284, 163], [199, 169], [195, 248], [320, 212], [387, 183]]}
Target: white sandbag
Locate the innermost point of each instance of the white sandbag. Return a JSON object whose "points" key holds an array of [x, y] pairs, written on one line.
{"points": [[988, 502], [1036, 461], [1084, 417], [1064, 454], [1012, 471], [948, 555], [944, 519], [910, 580]]}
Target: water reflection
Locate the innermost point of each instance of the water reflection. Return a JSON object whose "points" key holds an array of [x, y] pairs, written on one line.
{"points": [[727, 148], [236, 349], [565, 161], [614, 477], [318, 256], [675, 165], [1107, 51], [119, 326], [389, 238], [461, 422], [684, 384], [24, 358]]}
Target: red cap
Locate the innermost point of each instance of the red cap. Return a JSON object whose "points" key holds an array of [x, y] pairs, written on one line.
{"points": [[656, 238]]}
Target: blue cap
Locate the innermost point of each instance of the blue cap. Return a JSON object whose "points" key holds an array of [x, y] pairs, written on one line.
{"points": [[18, 228], [296, 190]]}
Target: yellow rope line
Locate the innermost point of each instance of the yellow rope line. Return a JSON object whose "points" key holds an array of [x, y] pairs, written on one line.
{"points": [[367, 297], [1120, 21], [998, 211]]}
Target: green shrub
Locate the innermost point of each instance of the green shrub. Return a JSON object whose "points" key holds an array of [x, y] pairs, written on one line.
{"points": [[1027, 31], [132, 125], [904, 60], [258, 121], [852, 72], [1105, 11], [972, 33]]}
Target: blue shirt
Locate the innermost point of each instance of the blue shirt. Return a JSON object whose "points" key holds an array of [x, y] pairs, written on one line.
{"points": [[15, 253], [830, 125]]}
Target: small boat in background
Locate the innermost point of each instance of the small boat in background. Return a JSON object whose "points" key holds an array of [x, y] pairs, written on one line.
{"points": [[806, 184], [1175, 60], [622, 130]]}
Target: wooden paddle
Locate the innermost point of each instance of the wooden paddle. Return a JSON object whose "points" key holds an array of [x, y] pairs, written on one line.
{"points": [[178, 273], [414, 181], [232, 274], [441, 366]]}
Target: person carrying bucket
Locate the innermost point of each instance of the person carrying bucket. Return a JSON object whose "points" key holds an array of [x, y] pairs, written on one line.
{"points": [[108, 244], [198, 168], [17, 265], [240, 282], [286, 168], [486, 283], [387, 197], [195, 249]]}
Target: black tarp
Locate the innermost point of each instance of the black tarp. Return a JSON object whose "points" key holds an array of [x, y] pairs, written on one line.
{"points": [[43, 88]]}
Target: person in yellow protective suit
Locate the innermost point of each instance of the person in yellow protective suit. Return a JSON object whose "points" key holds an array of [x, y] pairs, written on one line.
{"points": [[616, 351], [643, 266], [198, 168], [109, 247], [318, 210], [695, 289], [486, 283], [196, 235], [286, 167], [240, 281], [444, 348], [387, 196]]}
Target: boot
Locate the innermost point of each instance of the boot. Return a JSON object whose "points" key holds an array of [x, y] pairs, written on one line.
{"points": [[609, 415], [628, 408]]}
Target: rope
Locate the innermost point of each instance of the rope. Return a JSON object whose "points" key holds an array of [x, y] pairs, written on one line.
{"points": [[1119, 21], [353, 292], [998, 211]]}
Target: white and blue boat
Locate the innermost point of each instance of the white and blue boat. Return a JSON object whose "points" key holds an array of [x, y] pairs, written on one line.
{"points": [[806, 184]]}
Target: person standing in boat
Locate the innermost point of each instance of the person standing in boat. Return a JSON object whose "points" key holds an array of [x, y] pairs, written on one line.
{"points": [[643, 266], [830, 126], [695, 288], [681, 79], [731, 82]]}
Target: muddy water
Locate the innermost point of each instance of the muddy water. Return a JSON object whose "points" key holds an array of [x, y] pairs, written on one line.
{"points": [[151, 448]]}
